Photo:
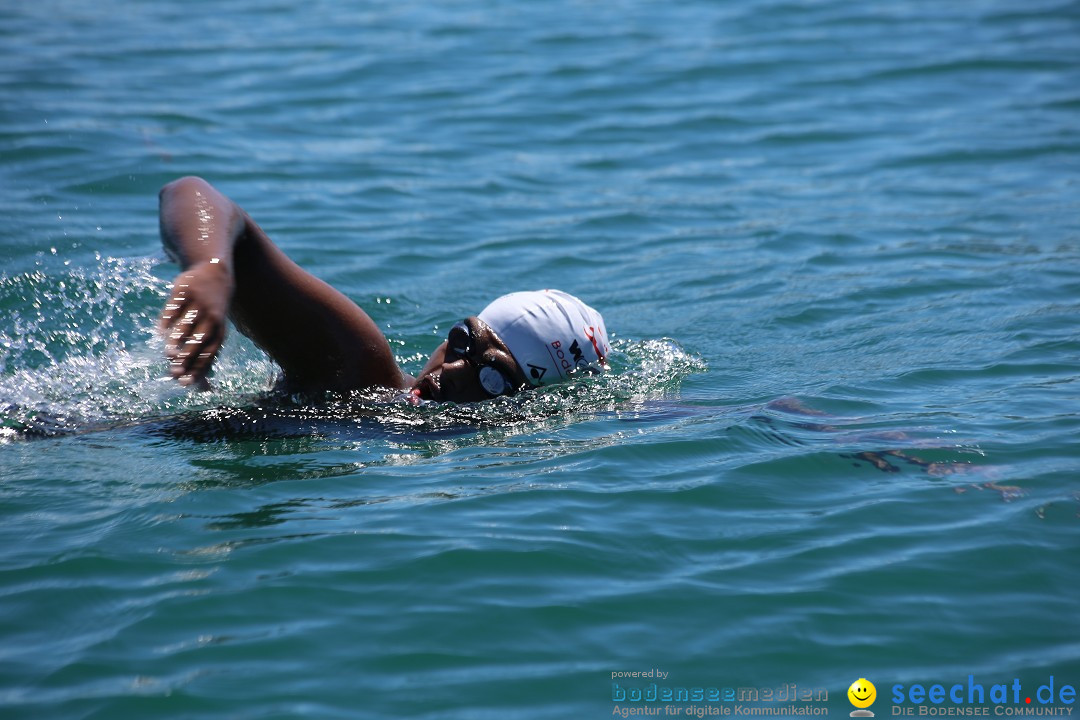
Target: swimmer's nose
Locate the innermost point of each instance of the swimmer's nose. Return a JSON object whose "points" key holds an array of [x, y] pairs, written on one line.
{"points": [[450, 374], [459, 381], [453, 367]]}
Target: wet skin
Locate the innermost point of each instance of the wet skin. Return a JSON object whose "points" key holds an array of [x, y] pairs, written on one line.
{"points": [[449, 378], [230, 268]]}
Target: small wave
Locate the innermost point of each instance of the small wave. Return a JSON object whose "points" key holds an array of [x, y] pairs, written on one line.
{"points": [[81, 354], [642, 370], [79, 349]]}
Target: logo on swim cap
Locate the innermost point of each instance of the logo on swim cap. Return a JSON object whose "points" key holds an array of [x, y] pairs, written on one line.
{"points": [[549, 330]]}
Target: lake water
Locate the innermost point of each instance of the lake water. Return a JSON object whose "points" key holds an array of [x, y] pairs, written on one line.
{"points": [[837, 246]]}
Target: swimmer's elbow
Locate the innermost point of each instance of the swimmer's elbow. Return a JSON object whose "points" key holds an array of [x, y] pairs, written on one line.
{"points": [[197, 222], [188, 198], [182, 186]]}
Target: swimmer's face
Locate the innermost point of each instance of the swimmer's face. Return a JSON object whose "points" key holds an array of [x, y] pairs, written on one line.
{"points": [[456, 378], [862, 693]]}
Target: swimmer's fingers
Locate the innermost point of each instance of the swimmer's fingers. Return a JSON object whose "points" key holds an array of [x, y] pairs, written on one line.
{"points": [[178, 323], [192, 339], [193, 321], [174, 309], [194, 343]]}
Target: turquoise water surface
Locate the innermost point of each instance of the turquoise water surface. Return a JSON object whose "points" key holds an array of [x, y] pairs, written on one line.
{"points": [[837, 246]]}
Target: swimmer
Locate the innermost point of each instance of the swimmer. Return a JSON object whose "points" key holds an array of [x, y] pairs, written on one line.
{"points": [[323, 341]]}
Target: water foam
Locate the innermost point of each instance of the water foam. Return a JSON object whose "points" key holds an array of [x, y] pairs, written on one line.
{"points": [[81, 351]]}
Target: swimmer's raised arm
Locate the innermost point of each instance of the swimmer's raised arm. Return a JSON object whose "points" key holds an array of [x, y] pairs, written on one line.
{"points": [[231, 268]]}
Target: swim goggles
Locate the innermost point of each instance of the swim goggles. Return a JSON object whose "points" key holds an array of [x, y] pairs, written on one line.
{"points": [[459, 342]]}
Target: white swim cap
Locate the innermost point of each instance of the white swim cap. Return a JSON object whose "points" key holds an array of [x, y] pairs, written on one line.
{"points": [[550, 333]]}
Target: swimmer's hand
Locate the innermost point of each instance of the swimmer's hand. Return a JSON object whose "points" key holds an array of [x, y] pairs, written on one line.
{"points": [[193, 321]]}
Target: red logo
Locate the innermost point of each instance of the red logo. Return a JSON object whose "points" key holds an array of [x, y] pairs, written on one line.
{"points": [[590, 332]]}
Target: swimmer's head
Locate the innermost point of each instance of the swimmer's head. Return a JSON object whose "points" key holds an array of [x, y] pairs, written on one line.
{"points": [[550, 333], [522, 339]]}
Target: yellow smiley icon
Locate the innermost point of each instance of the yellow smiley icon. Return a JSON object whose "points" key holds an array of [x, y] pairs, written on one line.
{"points": [[862, 693]]}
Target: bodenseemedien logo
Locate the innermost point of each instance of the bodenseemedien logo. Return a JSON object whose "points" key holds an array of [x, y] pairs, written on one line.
{"points": [[862, 694]]}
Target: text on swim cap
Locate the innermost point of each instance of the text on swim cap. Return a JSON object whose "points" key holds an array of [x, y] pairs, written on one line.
{"points": [[560, 356]]}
